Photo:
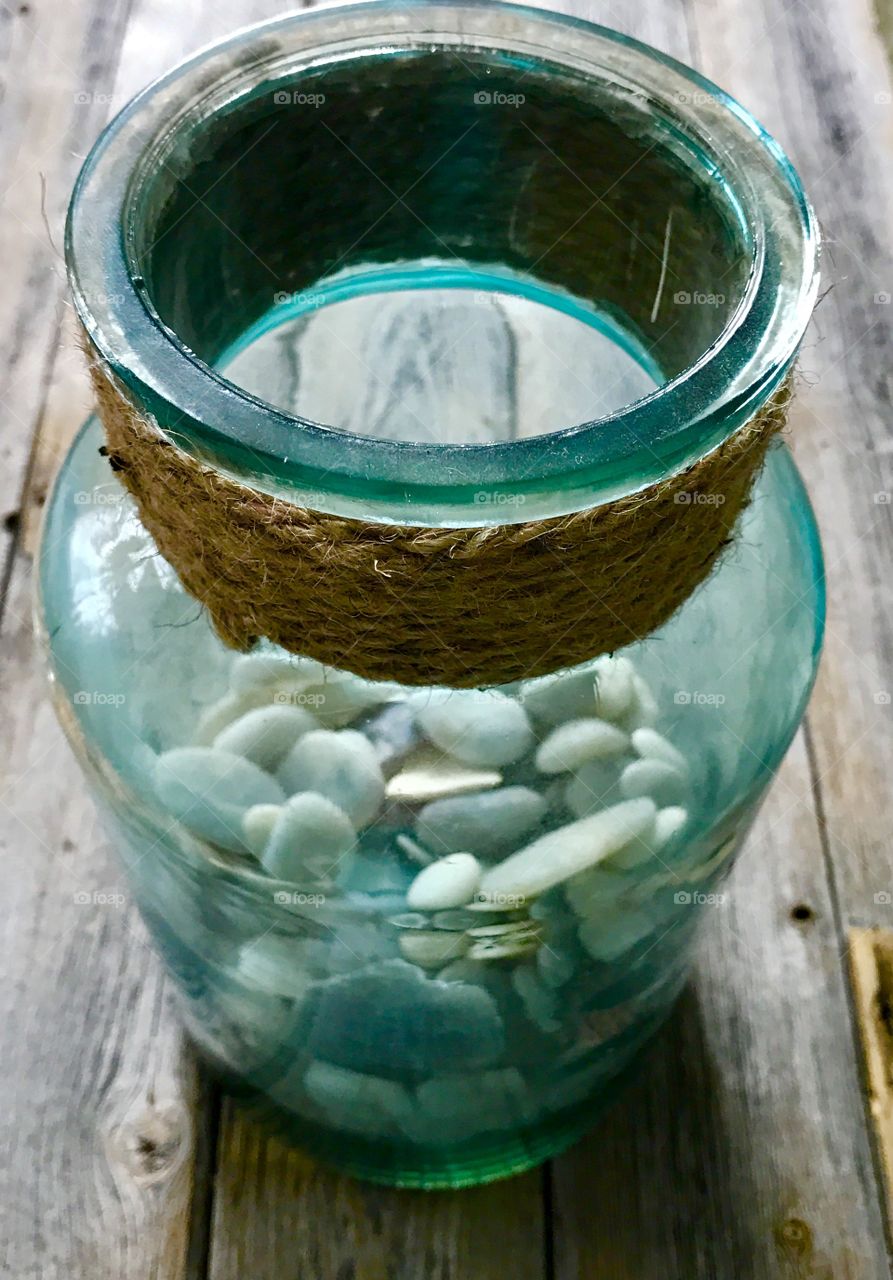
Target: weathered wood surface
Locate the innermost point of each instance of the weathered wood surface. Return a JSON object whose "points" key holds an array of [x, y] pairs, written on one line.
{"points": [[746, 1149]]}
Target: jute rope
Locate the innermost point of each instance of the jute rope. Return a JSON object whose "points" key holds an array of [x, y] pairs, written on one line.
{"points": [[460, 607]]}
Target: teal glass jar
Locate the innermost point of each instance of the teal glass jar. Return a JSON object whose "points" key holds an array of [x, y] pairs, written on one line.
{"points": [[448, 268]]}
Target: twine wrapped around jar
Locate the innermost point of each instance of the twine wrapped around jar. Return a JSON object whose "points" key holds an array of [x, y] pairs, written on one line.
{"points": [[461, 607]]}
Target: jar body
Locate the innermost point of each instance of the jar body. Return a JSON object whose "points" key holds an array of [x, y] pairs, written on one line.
{"points": [[456, 1032]]}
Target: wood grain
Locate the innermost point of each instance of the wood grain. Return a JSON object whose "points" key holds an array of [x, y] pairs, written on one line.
{"points": [[743, 1150], [871, 966]]}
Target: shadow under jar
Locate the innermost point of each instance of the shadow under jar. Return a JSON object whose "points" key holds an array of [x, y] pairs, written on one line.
{"points": [[428, 924]]}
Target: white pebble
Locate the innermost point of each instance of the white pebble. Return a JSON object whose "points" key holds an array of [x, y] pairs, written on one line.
{"points": [[266, 734], [257, 826], [614, 689], [479, 728], [595, 785], [568, 850], [668, 823], [275, 964], [652, 778], [311, 835], [608, 941], [255, 670], [489, 822], [341, 766], [209, 790], [432, 948], [572, 744], [563, 696], [644, 710], [650, 744], [224, 711], [450, 882], [429, 775]]}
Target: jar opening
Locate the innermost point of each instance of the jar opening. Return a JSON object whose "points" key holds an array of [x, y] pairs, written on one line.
{"points": [[420, 173], [357, 152]]}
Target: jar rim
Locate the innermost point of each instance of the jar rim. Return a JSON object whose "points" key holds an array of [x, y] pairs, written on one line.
{"points": [[337, 470]]}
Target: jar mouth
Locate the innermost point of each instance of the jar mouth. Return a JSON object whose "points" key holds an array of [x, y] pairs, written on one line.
{"points": [[660, 157]]}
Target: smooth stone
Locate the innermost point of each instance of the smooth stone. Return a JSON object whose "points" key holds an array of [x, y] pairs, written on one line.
{"points": [[478, 728], [637, 852], [215, 718], [341, 698], [266, 734], [643, 711], [514, 947], [310, 837], [595, 785], [563, 696], [429, 775], [432, 949], [457, 1107], [540, 1002], [599, 889], [256, 670], [359, 1103], [668, 823], [650, 744], [414, 851], [257, 826], [340, 766], [556, 968], [463, 970], [209, 790], [568, 850], [489, 822], [450, 882], [574, 743], [390, 1018], [373, 872], [278, 965], [614, 688], [607, 939], [410, 920], [664, 784], [454, 918], [393, 734]]}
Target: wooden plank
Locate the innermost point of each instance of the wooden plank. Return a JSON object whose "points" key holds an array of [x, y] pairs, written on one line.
{"points": [[741, 1151], [101, 1117], [279, 1216], [105, 1127], [58, 66], [730, 1156], [871, 967]]}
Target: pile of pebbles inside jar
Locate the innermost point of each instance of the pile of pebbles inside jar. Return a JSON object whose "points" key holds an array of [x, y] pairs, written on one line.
{"points": [[484, 848]]}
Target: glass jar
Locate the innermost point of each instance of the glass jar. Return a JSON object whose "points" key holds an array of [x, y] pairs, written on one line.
{"points": [[430, 928]]}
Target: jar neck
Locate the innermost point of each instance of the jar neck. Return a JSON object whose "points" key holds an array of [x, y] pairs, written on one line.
{"points": [[323, 120]]}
